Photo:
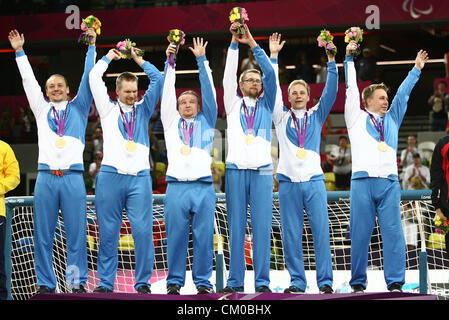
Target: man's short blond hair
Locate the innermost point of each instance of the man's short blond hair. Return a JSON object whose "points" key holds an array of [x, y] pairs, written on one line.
{"points": [[368, 91], [301, 82], [56, 75], [244, 73], [125, 76]]}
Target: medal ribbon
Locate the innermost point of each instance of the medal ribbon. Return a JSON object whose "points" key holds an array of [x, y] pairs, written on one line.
{"points": [[301, 132], [379, 127], [187, 130], [249, 119], [129, 127], [60, 122]]}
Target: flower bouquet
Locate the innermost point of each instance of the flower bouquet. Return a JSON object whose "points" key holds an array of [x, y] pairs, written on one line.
{"points": [[176, 38], [89, 22], [323, 41], [238, 14], [124, 47], [442, 224], [356, 34]]}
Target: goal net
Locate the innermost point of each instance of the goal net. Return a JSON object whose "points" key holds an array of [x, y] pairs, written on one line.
{"points": [[428, 274]]}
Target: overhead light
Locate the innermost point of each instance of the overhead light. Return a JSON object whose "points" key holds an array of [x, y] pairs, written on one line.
{"points": [[384, 63], [387, 48]]}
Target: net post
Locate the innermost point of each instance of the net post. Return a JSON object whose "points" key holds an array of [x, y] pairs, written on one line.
{"points": [[219, 257], [219, 270], [423, 253]]}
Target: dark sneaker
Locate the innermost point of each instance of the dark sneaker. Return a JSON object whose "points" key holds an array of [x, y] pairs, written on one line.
{"points": [[358, 288], [263, 289], [204, 290], [44, 289], [102, 289], [173, 289], [395, 287], [293, 289], [326, 289], [78, 289], [231, 289], [144, 289]]}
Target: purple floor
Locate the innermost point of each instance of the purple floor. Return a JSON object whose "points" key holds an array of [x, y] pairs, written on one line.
{"points": [[236, 296]]}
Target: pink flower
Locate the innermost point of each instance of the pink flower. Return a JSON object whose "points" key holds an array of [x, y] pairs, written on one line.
{"points": [[244, 15], [83, 26], [354, 29], [439, 231], [320, 44], [121, 46]]}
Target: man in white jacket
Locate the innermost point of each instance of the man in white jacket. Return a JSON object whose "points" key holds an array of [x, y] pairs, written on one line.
{"points": [[190, 198], [375, 188], [248, 163], [61, 124], [124, 179]]}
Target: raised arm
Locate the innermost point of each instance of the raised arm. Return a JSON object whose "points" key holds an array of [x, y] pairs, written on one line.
{"points": [[276, 46], [153, 93], [97, 85], [230, 73], [84, 96], [168, 101], [268, 73], [330, 89], [400, 100], [208, 94], [32, 88], [352, 102]]}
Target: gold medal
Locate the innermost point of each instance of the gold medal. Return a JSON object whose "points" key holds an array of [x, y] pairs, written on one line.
{"points": [[131, 146], [301, 153], [382, 146], [60, 142], [250, 139], [185, 150]]}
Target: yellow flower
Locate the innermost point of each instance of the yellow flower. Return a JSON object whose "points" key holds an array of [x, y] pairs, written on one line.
{"points": [[98, 31], [232, 17], [235, 10], [438, 223], [176, 32], [123, 55], [347, 39], [237, 16]]}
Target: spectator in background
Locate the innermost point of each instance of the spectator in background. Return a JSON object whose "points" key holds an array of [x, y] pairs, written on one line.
{"points": [[94, 167], [97, 138], [407, 153], [321, 71], [250, 62], [438, 116], [440, 105], [326, 130], [342, 164], [366, 67], [28, 126], [416, 170], [409, 225], [304, 70], [6, 125]]}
